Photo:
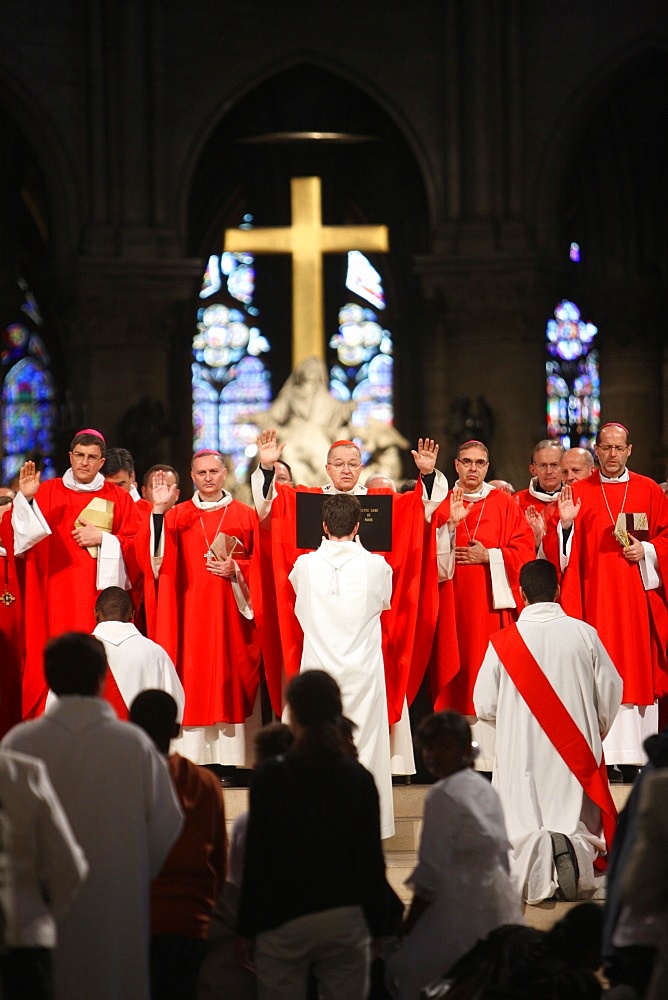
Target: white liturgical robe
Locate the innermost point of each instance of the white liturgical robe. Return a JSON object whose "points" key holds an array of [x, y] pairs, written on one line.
{"points": [[118, 795], [138, 664], [539, 793], [341, 592]]}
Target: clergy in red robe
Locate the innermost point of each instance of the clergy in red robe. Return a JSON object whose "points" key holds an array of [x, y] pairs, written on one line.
{"points": [[539, 501], [146, 614], [576, 464], [614, 546], [204, 616], [408, 626], [11, 610], [75, 536], [483, 541]]}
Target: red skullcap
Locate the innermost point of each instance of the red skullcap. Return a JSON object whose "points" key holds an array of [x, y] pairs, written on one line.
{"points": [[343, 444], [615, 423], [92, 432]]}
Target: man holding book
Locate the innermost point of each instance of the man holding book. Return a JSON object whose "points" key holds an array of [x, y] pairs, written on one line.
{"points": [[204, 618], [75, 536]]}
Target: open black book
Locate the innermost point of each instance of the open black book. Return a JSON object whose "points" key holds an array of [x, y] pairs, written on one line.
{"points": [[375, 523]]}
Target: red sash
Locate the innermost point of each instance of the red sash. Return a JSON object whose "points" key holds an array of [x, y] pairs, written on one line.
{"points": [[113, 695], [557, 724]]}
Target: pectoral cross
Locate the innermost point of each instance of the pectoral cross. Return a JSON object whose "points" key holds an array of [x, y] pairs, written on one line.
{"points": [[307, 240]]}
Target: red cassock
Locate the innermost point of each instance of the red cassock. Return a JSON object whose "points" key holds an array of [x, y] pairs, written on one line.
{"points": [[408, 626], [603, 588], [215, 649], [145, 600], [11, 633], [457, 653], [60, 576]]}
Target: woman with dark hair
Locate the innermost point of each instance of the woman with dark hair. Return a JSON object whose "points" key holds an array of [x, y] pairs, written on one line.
{"points": [[312, 894], [461, 883]]}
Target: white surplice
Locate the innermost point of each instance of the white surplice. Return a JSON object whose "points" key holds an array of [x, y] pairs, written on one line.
{"points": [[341, 592], [538, 791], [118, 795], [138, 663]]}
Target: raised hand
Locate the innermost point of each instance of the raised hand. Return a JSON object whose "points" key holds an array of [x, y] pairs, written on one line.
{"points": [[458, 509], [268, 449], [568, 510], [164, 495], [28, 480], [425, 456], [536, 523]]}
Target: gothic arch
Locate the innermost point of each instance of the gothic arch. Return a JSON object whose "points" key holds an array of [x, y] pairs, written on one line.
{"points": [[608, 94], [338, 71]]}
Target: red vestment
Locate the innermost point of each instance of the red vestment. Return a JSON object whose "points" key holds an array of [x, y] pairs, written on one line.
{"points": [[60, 576], [408, 626], [497, 522], [214, 648], [147, 606], [11, 634], [603, 588]]}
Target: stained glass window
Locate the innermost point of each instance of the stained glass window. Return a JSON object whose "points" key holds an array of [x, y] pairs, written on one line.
{"points": [[28, 396], [230, 381], [573, 388], [363, 369]]}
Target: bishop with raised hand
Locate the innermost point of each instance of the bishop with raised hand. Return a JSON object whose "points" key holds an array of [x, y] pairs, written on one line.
{"points": [[76, 537]]}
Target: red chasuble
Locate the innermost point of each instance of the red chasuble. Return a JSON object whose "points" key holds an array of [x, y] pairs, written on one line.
{"points": [[146, 602], [60, 576], [11, 633], [408, 626], [498, 523], [215, 649], [602, 588]]}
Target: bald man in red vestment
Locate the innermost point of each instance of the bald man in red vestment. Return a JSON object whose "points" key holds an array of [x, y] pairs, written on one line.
{"points": [[204, 616], [614, 552]]}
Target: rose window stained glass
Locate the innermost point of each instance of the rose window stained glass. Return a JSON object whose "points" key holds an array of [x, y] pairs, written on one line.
{"points": [[230, 381], [28, 394], [573, 387]]}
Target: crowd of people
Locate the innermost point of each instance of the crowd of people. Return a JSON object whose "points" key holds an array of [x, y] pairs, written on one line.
{"points": [[536, 622]]}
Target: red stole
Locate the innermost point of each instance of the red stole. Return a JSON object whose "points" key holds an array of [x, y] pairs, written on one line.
{"points": [[557, 724], [113, 695]]}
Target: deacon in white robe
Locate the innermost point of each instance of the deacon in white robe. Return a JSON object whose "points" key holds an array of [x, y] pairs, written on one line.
{"points": [[139, 664], [539, 793], [341, 592], [118, 796]]}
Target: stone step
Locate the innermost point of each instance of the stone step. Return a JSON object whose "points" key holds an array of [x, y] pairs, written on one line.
{"points": [[401, 849]]}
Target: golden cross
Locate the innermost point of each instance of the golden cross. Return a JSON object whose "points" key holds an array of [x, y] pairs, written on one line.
{"points": [[307, 240]]}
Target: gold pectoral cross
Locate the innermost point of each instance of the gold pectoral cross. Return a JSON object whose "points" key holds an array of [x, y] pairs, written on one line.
{"points": [[7, 598], [307, 240]]}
